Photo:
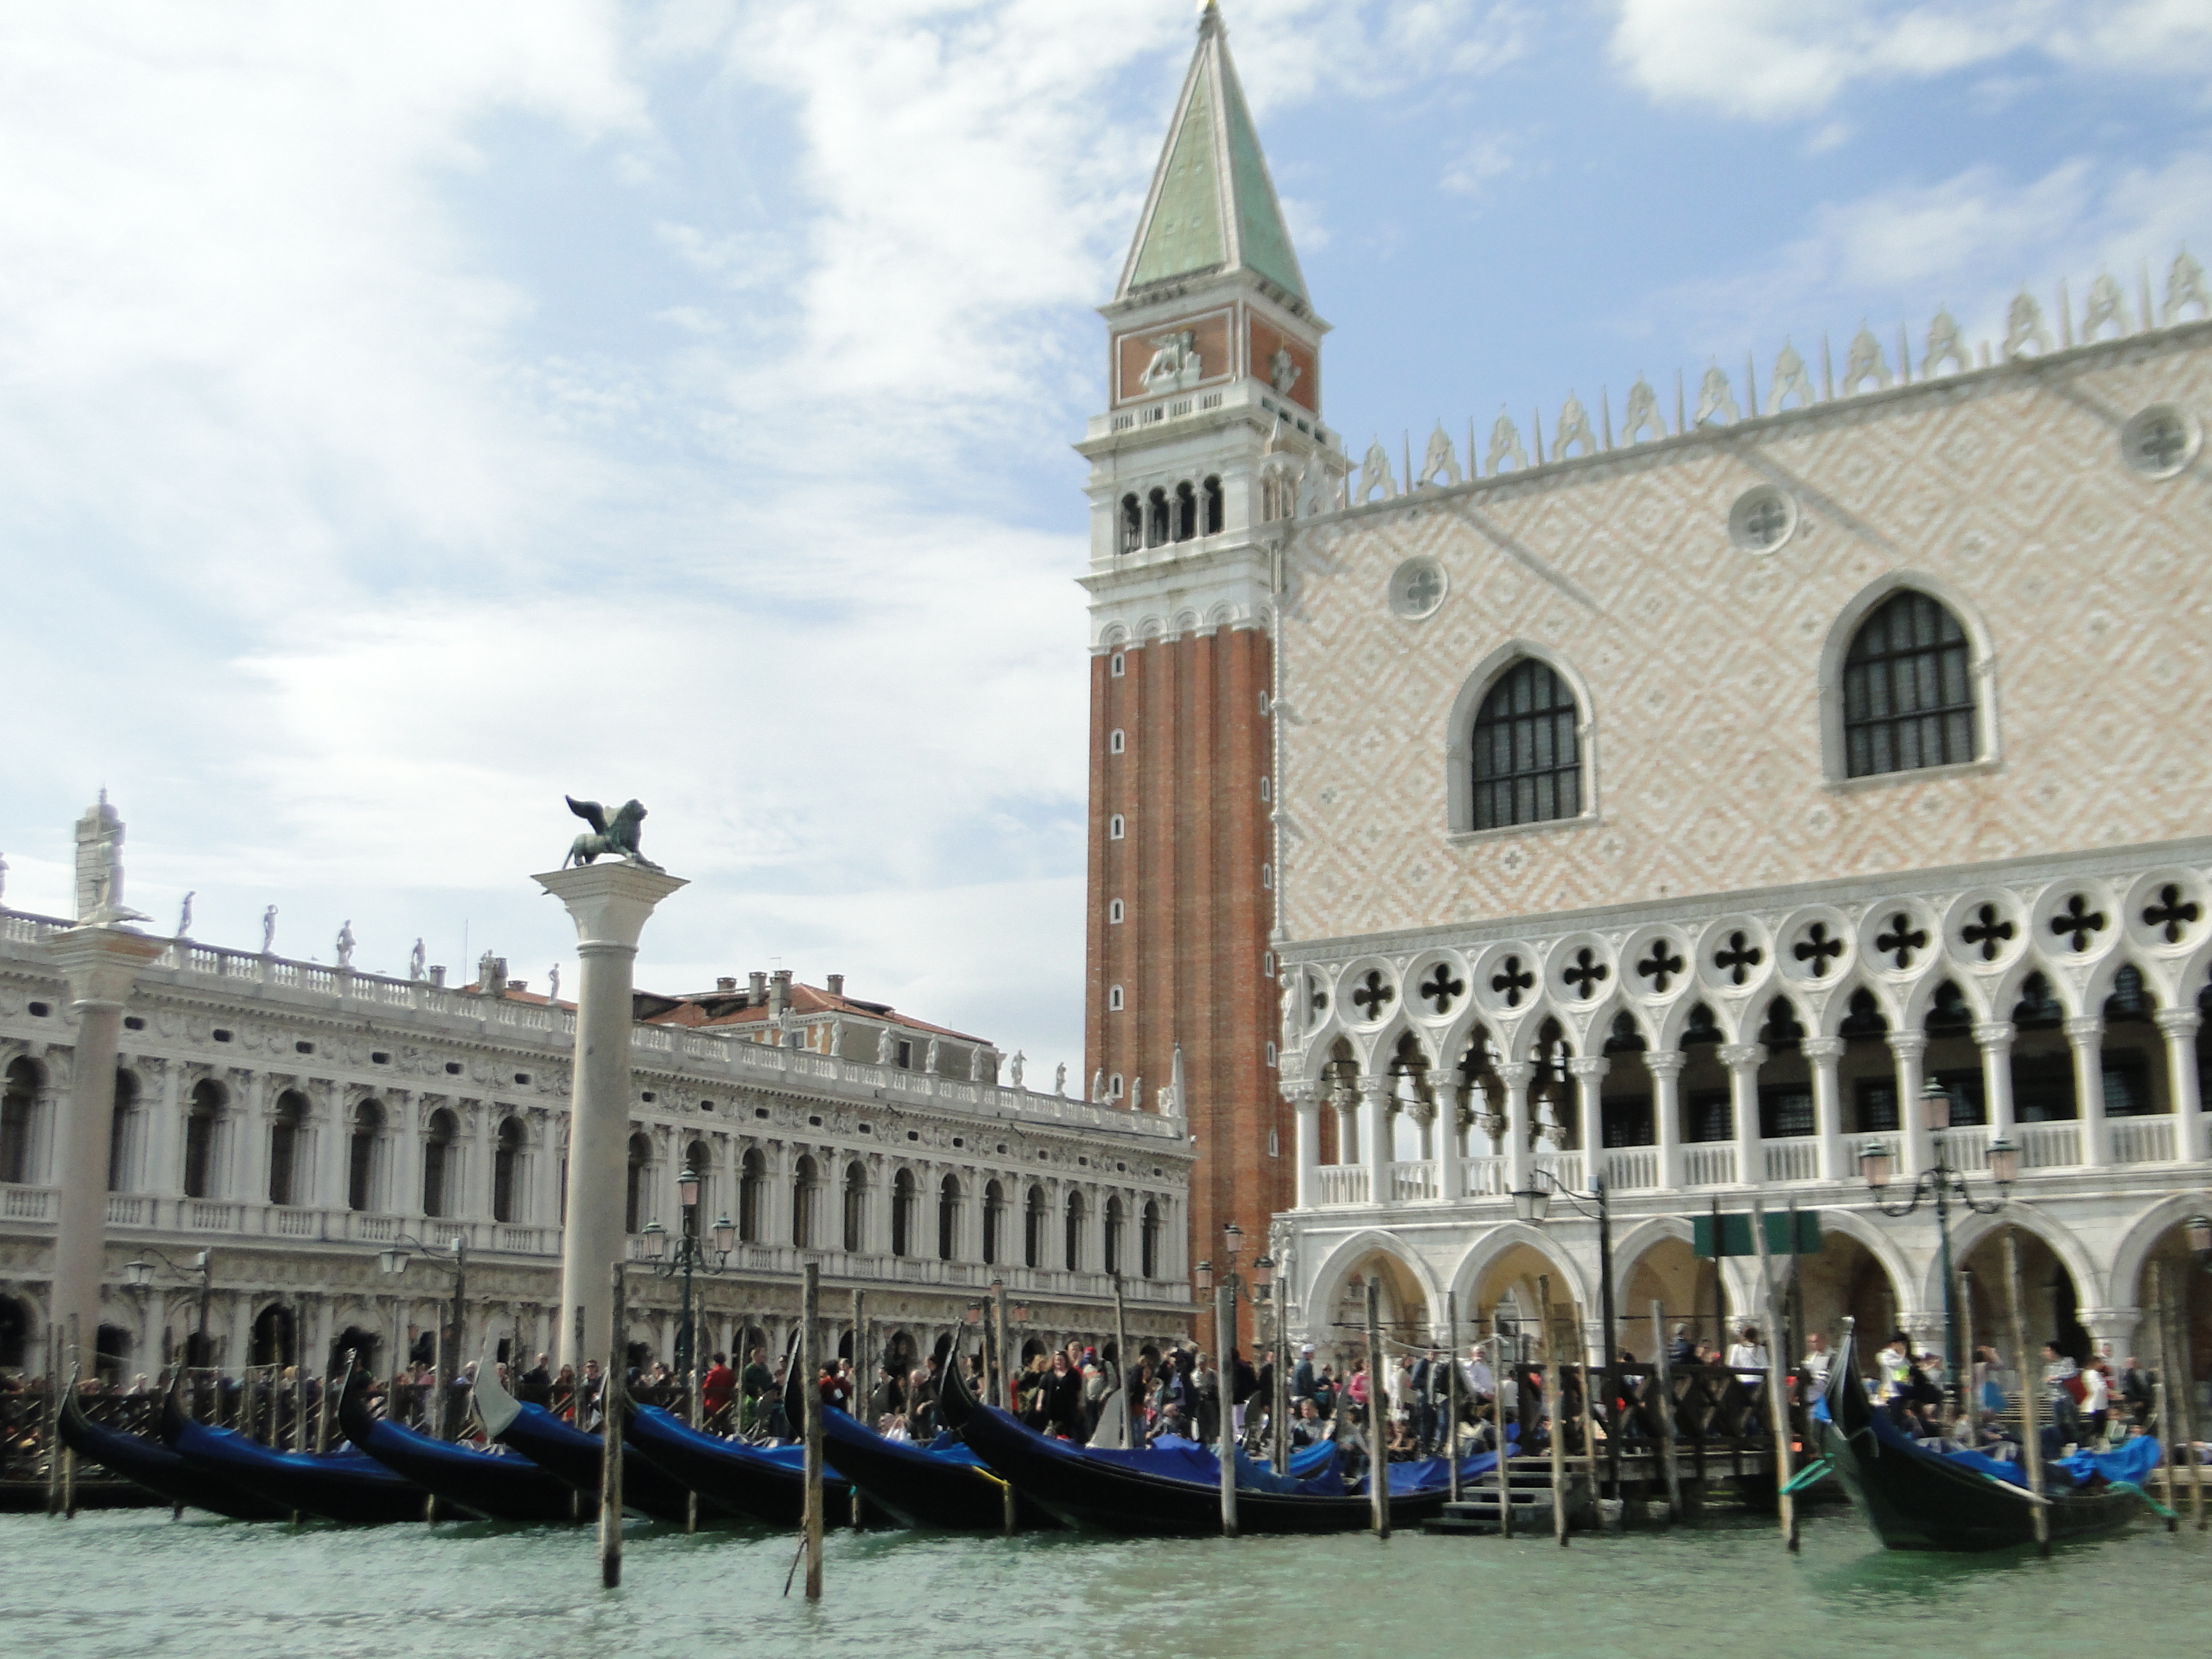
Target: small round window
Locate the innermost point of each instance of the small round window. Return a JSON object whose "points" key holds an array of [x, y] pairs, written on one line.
{"points": [[1762, 520], [2160, 441], [1418, 588]]}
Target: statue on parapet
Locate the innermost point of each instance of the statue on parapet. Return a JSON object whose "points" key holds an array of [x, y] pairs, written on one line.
{"points": [[615, 834]]}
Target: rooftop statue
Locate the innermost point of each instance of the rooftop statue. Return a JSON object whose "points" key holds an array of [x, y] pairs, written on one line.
{"points": [[617, 834]]}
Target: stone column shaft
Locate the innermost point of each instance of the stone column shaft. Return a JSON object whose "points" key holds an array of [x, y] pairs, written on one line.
{"points": [[2179, 1026], [102, 964], [1823, 1053], [1514, 1075], [1994, 1038], [1589, 1111], [609, 903], [1906, 1048], [1665, 1066], [2086, 1037], [1375, 1136], [1743, 1061], [1305, 1104]]}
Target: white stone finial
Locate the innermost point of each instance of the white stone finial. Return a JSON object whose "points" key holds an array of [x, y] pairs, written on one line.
{"points": [[2184, 287], [1441, 464], [1574, 428], [2106, 306], [1374, 476], [1865, 362], [1716, 403], [1642, 413], [1945, 345], [1791, 380], [2024, 328], [1504, 446]]}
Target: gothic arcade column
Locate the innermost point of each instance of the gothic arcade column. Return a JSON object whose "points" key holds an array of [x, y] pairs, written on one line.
{"points": [[1906, 1048], [2178, 1027], [1743, 1061], [1589, 1113], [1375, 1136], [1305, 1105], [1514, 1075], [1994, 1038], [1822, 1054], [1665, 1066], [2086, 1037]]}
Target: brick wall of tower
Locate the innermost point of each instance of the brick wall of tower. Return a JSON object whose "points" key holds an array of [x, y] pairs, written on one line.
{"points": [[1189, 952]]}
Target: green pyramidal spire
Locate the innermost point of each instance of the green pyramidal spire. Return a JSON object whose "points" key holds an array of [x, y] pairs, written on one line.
{"points": [[1213, 206]]}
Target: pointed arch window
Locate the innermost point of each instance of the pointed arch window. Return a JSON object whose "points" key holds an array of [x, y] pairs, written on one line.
{"points": [[948, 1219], [805, 1183], [1132, 526], [635, 1211], [994, 1219], [286, 1126], [505, 1169], [364, 1151], [753, 1179], [1033, 1226], [1211, 507], [856, 1207], [438, 1159], [1908, 689], [1527, 749]]}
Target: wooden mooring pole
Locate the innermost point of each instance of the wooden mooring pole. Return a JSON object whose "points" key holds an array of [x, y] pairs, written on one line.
{"points": [[1666, 1371], [2031, 1426], [54, 1447], [1451, 1392], [1778, 1379], [1507, 1368], [610, 1444], [864, 1385], [2162, 1415], [1224, 1334], [1378, 1412], [1552, 1396], [2175, 1318], [809, 1371]]}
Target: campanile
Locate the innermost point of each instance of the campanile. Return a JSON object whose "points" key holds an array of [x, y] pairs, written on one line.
{"points": [[1211, 439]]}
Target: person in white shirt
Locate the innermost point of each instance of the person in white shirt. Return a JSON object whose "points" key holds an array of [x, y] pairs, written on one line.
{"points": [[1481, 1383], [1748, 1359], [1818, 1361]]}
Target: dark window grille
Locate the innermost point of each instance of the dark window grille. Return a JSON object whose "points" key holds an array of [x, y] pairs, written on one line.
{"points": [[1785, 1112], [1527, 757], [1877, 1106], [1711, 1116], [1908, 690]]}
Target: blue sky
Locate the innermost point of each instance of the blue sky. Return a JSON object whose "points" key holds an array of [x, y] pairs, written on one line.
{"points": [[416, 412]]}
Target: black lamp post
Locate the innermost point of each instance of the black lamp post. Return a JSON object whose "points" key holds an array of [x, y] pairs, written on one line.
{"points": [[393, 1258], [1943, 1186], [139, 1276], [1532, 1204], [693, 1255], [2199, 1228]]}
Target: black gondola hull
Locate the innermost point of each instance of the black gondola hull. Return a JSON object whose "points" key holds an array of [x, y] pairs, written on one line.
{"points": [[1095, 1494], [343, 1487], [1915, 1500], [499, 1487], [920, 1488], [574, 1458], [152, 1465]]}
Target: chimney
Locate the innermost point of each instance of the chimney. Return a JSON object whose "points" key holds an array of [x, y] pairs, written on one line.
{"points": [[760, 992], [779, 993], [438, 976], [726, 984], [836, 984]]}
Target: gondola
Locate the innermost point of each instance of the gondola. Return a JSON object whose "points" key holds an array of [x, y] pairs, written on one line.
{"points": [[1960, 1502], [161, 1471], [1152, 1494], [502, 1486], [344, 1485], [573, 1456], [765, 1483], [941, 1485]]}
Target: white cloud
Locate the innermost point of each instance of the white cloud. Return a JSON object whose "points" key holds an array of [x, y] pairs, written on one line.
{"points": [[1968, 242], [1784, 58], [1487, 156]]}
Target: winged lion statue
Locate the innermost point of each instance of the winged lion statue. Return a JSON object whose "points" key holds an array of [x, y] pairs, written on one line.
{"points": [[612, 833]]}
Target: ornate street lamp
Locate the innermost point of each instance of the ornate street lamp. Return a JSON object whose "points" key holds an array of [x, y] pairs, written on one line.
{"points": [[1533, 1204], [138, 1275], [693, 1255], [393, 1259], [1943, 1186]]}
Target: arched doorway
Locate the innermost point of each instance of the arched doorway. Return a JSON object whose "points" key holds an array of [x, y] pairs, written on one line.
{"points": [[1508, 1294], [14, 1331], [2050, 1302], [1402, 1308], [1843, 1278], [2189, 1292], [272, 1342], [1682, 1282], [112, 1354]]}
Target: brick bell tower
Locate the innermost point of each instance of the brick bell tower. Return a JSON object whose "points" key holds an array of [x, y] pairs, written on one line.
{"points": [[1212, 438]]}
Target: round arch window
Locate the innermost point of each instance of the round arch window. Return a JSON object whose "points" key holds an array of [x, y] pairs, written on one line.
{"points": [[1416, 588], [2161, 441], [1763, 520]]}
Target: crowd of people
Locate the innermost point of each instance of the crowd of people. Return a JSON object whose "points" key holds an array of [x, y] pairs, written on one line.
{"points": [[2086, 1404]]}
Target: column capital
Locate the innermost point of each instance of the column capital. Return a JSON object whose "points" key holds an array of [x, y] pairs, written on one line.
{"points": [[1665, 1062], [1515, 1074], [1590, 1066], [102, 963], [1303, 1097], [1742, 1056], [1374, 1089], [1994, 1033], [1908, 1045], [2083, 1029], [1822, 1048], [609, 902], [2178, 1022]]}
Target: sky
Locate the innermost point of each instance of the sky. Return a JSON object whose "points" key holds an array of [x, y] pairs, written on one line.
{"points": [[411, 413]]}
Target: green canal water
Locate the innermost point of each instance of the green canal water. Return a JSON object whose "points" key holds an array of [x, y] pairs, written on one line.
{"points": [[136, 1583]]}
